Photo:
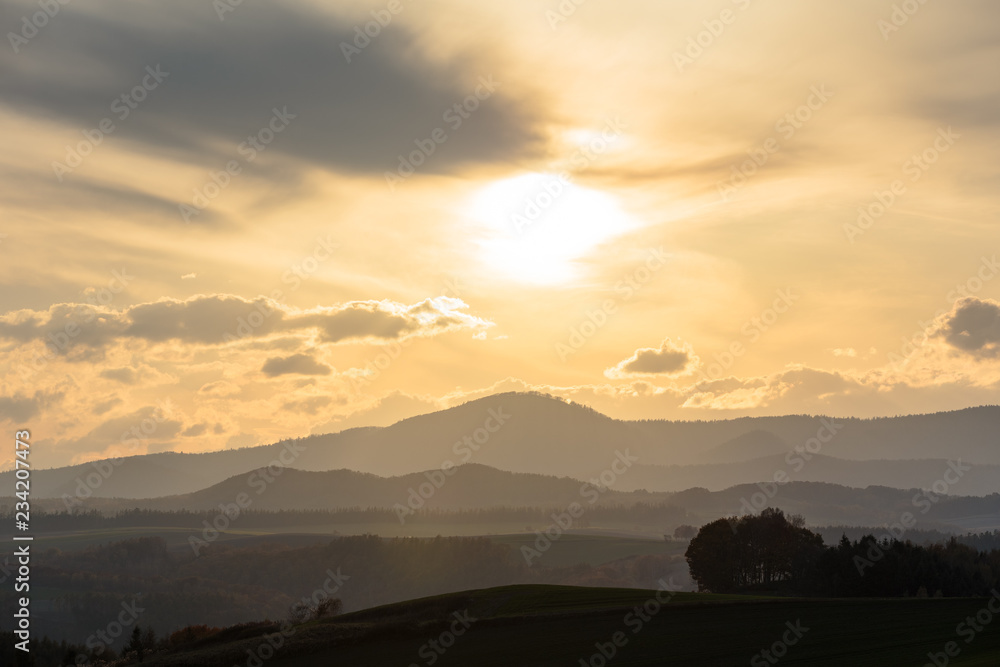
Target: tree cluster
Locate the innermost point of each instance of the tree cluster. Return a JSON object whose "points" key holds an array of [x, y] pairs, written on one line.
{"points": [[770, 552], [752, 551]]}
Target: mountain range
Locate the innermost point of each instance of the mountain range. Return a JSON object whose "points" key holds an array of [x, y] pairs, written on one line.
{"points": [[539, 434]]}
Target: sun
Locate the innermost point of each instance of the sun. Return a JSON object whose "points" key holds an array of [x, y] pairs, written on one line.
{"points": [[539, 226]]}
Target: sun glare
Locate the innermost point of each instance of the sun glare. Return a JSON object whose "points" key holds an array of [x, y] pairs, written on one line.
{"points": [[539, 226]]}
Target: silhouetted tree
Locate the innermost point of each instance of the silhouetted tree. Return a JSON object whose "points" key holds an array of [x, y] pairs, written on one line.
{"points": [[762, 550], [328, 607], [685, 532], [135, 644]]}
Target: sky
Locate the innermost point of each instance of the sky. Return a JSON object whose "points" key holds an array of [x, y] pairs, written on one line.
{"points": [[222, 224]]}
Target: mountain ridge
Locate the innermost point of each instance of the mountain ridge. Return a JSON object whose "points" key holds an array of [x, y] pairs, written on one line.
{"points": [[539, 434]]}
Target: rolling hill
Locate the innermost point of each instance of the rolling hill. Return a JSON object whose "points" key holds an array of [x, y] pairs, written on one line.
{"points": [[532, 433], [537, 626], [476, 486], [907, 474]]}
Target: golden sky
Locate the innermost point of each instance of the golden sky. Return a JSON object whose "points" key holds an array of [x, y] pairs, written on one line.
{"points": [[225, 224]]}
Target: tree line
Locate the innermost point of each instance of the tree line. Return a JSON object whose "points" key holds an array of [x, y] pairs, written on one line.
{"points": [[774, 553]]}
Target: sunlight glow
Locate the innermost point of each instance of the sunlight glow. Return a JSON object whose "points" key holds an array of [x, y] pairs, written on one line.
{"points": [[538, 226]]}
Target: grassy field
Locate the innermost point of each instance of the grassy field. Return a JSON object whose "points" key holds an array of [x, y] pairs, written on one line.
{"points": [[554, 625]]}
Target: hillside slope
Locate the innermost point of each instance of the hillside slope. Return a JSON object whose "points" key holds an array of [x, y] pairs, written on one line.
{"points": [[536, 626], [533, 433]]}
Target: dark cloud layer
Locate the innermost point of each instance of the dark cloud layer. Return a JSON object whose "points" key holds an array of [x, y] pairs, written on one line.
{"points": [[19, 408], [225, 78], [297, 364], [125, 375], [668, 359], [222, 318], [973, 326]]}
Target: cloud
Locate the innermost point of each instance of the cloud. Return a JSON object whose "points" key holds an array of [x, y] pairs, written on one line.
{"points": [[807, 388], [105, 405], [194, 430], [201, 319], [223, 78], [309, 406], [19, 408], [126, 435], [219, 388], [224, 318], [73, 195], [297, 364], [125, 375], [972, 326], [668, 359], [388, 320]]}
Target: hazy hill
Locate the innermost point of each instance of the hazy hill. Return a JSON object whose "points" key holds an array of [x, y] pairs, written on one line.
{"points": [[750, 445], [916, 474], [970, 434], [541, 434], [469, 487], [476, 486], [823, 503]]}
